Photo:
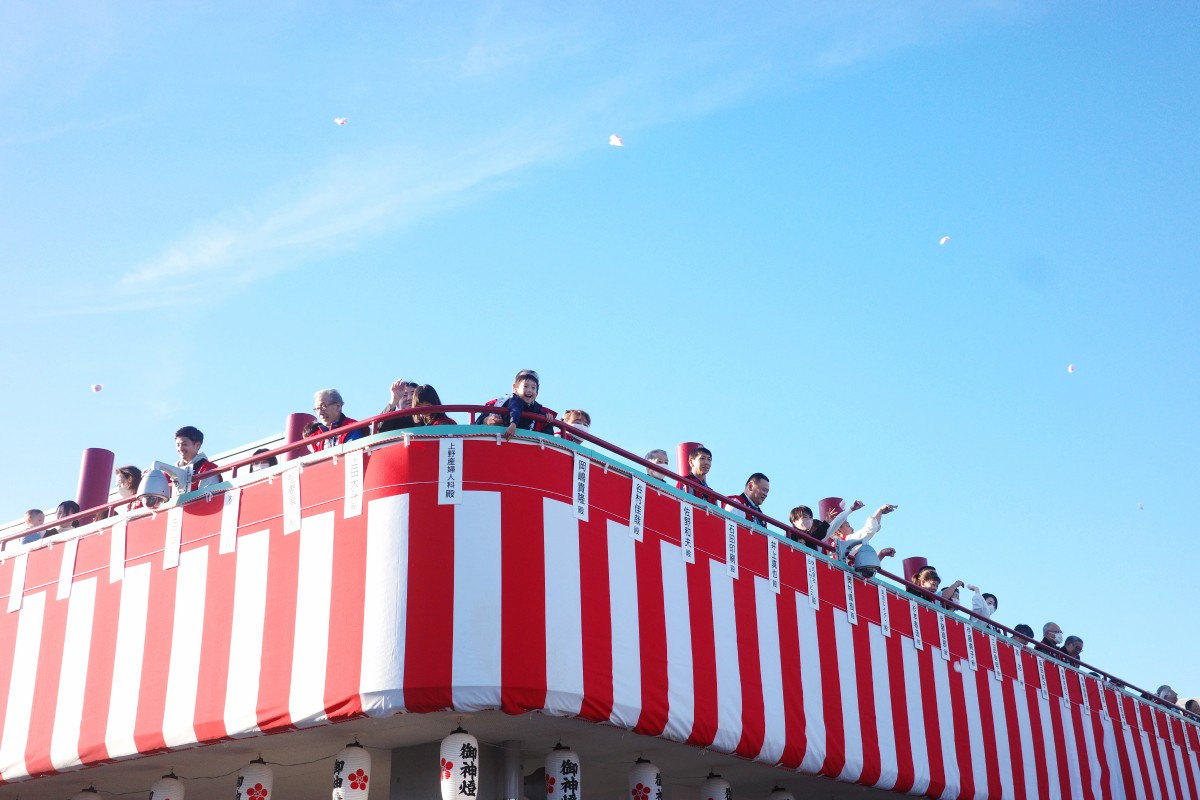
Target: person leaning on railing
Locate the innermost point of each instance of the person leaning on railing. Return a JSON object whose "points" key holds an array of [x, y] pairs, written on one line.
{"points": [[523, 400]]}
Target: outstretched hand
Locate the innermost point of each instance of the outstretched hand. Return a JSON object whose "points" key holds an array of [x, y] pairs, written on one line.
{"points": [[509, 431], [857, 505], [887, 509], [885, 552]]}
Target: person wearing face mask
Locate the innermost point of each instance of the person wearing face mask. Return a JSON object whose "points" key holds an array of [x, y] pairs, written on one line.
{"points": [[579, 419], [984, 604], [802, 520], [658, 456], [1052, 639]]}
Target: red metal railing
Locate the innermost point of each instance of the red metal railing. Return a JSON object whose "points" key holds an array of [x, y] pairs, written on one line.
{"points": [[790, 532]]}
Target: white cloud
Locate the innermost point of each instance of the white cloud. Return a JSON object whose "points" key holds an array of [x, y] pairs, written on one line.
{"points": [[550, 107]]}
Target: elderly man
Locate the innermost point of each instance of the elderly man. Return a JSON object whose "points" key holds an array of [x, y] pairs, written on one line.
{"points": [[755, 494], [1167, 694], [1052, 639], [327, 405]]}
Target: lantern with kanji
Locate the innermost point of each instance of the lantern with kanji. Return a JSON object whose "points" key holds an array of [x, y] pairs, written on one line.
{"points": [[255, 781], [645, 781], [562, 774], [715, 788], [351, 773], [168, 787], [460, 766], [780, 793]]}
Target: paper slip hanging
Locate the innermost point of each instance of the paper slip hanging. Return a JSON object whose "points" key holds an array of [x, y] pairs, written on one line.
{"points": [[916, 624], [449, 472], [814, 594], [731, 553], [291, 500], [582, 473], [116, 551], [851, 604], [354, 484], [943, 641], [688, 535], [637, 508], [995, 658], [66, 570], [1019, 652], [229, 520], [1041, 662], [1121, 707], [1083, 693], [773, 563], [971, 648], [885, 615], [1062, 681], [16, 589], [174, 538]]}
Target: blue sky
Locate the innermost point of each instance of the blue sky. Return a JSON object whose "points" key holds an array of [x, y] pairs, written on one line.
{"points": [[757, 269]]}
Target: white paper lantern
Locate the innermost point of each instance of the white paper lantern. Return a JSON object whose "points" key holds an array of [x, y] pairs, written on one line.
{"points": [[460, 766], [351, 773], [89, 793], [562, 774], [168, 788], [715, 788], [645, 781], [255, 781], [779, 793]]}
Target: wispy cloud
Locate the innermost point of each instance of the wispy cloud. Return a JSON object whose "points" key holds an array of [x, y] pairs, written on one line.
{"points": [[663, 76]]}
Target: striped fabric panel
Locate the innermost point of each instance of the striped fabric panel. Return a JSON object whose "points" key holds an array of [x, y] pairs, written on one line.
{"points": [[506, 600]]}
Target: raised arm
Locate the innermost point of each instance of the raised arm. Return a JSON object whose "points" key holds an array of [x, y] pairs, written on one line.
{"points": [[871, 526], [837, 521]]}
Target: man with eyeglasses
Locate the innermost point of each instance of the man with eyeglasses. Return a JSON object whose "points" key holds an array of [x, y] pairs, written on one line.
{"points": [[327, 405]]}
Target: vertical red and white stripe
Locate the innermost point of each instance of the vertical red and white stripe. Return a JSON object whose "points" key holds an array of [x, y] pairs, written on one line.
{"points": [[507, 599]]}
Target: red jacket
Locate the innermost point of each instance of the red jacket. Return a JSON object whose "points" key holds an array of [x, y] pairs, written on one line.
{"points": [[341, 438]]}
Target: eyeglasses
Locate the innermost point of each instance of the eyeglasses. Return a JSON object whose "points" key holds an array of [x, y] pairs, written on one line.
{"points": [[325, 405]]}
